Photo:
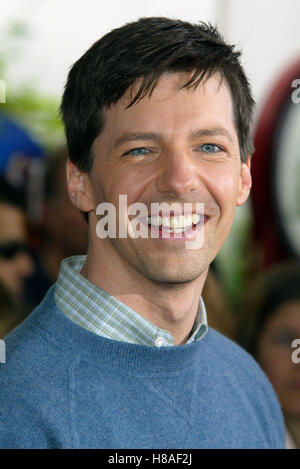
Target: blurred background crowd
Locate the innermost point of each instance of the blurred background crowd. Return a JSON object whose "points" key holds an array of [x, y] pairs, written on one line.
{"points": [[252, 293]]}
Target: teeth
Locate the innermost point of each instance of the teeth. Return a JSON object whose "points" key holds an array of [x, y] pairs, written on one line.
{"points": [[175, 224], [156, 220], [196, 218], [167, 222], [176, 230], [187, 220]]}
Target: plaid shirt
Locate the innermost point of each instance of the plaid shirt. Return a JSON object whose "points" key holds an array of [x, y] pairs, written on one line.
{"points": [[97, 311]]}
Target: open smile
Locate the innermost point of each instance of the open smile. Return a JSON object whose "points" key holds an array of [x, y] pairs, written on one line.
{"points": [[182, 227]]}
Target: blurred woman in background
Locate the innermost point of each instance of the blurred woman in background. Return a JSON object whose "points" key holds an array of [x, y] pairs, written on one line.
{"points": [[268, 323]]}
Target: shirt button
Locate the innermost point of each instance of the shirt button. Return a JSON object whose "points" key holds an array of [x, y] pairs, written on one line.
{"points": [[159, 341]]}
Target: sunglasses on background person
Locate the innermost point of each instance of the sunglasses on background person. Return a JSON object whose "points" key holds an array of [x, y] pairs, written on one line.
{"points": [[10, 249]]}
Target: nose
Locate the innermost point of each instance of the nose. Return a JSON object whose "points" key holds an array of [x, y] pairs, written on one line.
{"points": [[178, 174]]}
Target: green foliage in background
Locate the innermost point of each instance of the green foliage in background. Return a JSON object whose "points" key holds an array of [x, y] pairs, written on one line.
{"points": [[35, 111], [235, 258]]}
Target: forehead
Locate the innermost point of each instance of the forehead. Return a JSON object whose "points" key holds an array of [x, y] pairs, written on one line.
{"points": [[170, 105], [287, 314]]}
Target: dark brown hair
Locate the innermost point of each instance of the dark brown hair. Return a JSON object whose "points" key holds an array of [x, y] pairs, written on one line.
{"points": [[146, 49]]}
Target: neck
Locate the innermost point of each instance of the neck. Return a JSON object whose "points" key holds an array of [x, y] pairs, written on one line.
{"points": [[293, 425], [172, 307]]}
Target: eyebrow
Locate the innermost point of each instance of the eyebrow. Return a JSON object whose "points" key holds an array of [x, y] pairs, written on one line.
{"points": [[130, 137], [210, 132]]}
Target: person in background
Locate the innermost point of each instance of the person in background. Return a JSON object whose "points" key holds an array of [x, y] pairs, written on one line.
{"points": [[64, 230], [268, 323], [15, 258], [12, 312]]}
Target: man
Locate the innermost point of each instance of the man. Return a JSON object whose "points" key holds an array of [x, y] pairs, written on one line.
{"points": [[119, 355]]}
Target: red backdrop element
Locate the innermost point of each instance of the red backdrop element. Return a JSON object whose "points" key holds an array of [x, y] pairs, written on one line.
{"points": [[265, 229]]}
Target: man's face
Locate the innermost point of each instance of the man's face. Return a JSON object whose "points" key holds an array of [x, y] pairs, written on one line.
{"points": [[178, 145], [15, 268]]}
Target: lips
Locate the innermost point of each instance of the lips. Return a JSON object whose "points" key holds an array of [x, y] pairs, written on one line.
{"points": [[165, 221]]}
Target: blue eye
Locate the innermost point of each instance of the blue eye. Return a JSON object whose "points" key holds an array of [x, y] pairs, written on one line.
{"points": [[210, 148], [137, 151]]}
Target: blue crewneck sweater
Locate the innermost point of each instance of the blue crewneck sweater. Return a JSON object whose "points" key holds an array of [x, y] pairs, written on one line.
{"points": [[65, 387]]}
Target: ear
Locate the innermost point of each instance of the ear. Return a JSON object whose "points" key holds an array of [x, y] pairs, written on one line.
{"points": [[245, 182], [79, 189]]}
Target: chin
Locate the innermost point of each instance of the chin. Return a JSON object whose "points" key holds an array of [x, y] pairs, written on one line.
{"points": [[171, 276]]}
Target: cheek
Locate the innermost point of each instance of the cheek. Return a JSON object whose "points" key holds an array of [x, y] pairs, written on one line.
{"points": [[222, 183], [129, 182]]}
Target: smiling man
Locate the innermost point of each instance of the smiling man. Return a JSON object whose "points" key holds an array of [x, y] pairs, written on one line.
{"points": [[119, 351]]}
